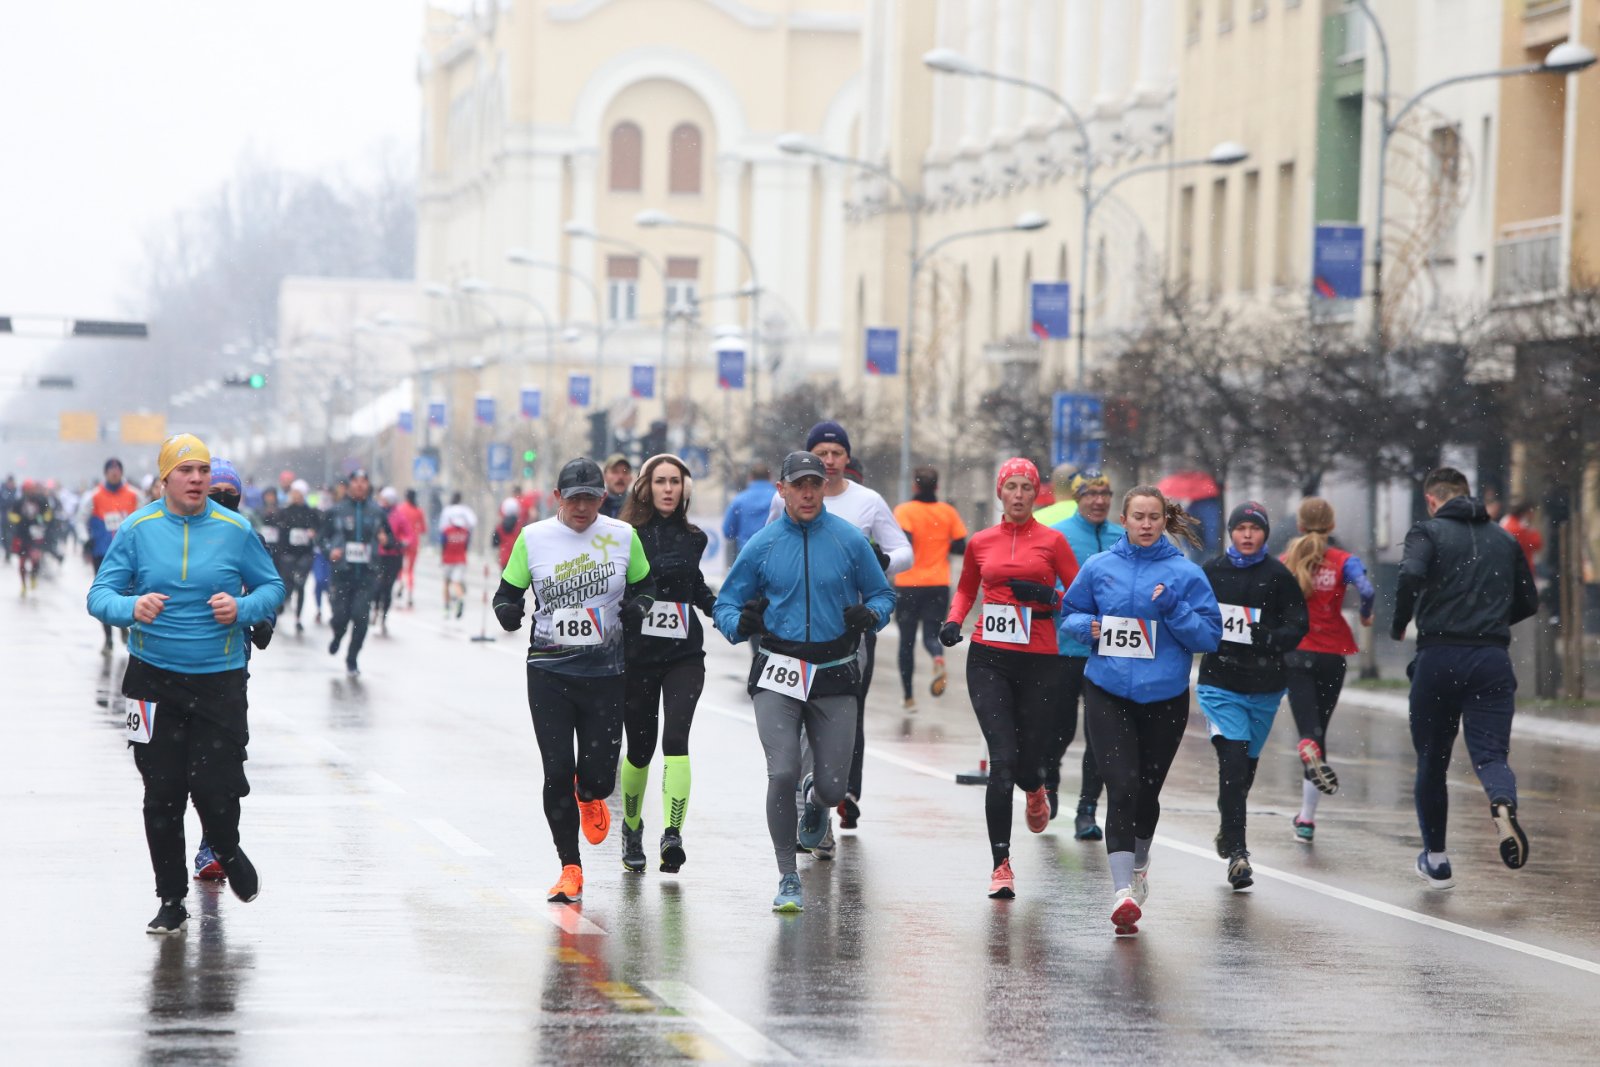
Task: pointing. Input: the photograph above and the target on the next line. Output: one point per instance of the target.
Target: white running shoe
(1125, 913)
(1141, 885)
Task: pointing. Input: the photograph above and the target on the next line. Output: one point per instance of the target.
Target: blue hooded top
(1086, 540)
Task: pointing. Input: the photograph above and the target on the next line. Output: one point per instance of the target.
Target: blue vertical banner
(883, 350)
(578, 390)
(730, 368)
(1336, 262)
(499, 462)
(532, 401)
(483, 409)
(643, 381)
(436, 413)
(1052, 310)
(403, 422)
(1077, 430)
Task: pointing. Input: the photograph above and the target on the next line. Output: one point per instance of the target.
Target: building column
(730, 177)
(1156, 61)
(1116, 33)
(1043, 46)
(585, 165)
(947, 88)
(1009, 60)
(975, 132)
(780, 234)
(830, 251)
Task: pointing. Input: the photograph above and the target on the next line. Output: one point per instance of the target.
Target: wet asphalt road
(404, 857)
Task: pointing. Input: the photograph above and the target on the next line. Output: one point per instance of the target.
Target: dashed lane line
(567, 917)
(454, 839)
(744, 1040)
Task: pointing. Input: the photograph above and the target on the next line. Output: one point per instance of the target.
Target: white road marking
(377, 783)
(454, 838)
(745, 1041)
(568, 917)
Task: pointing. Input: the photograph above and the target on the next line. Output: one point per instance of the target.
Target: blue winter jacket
(1086, 540)
(190, 558)
(810, 572)
(1119, 582)
(747, 513)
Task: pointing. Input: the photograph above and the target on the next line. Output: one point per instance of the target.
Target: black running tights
(673, 688)
(1134, 745)
(1014, 697)
(1315, 681)
(575, 712)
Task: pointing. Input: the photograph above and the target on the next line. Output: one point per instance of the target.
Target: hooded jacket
(1086, 540)
(1466, 579)
(1185, 617)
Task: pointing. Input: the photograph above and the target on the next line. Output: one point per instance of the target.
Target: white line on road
(454, 838)
(744, 1040)
(377, 783)
(569, 917)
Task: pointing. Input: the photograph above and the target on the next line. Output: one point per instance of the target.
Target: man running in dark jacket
(1466, 582)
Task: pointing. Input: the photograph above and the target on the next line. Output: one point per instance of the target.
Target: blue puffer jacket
(1119, 582)
(1086, 540)
(810, 572)
(190, 558)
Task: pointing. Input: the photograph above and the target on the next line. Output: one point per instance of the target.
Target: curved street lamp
(524, 258)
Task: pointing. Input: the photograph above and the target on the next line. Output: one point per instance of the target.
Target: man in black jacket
(1467, 582)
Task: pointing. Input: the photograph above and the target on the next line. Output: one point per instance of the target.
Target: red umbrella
(1189, 486)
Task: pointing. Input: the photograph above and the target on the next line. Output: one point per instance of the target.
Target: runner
(1065, 505)
(665, 656)
(922, 591)
(589, 576)
(747, 511)
(391, 556)
(112, 501)
(351, 535)
(29, 520)
(619, 478)
(297, 524)
(1468, 584)
(456, 524)
(1014, 670)
(1243, 681)
(185, 679)
(419, 530)
(1317, 666)
(805, 588)
(506, 530)
(1144, 610)
(1090, 531)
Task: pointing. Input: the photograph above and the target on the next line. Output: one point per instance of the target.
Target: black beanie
(1249, 511)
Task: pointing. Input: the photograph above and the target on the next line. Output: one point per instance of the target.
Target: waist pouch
(838, 670)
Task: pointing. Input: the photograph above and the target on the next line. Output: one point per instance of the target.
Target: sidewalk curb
(1537, 727)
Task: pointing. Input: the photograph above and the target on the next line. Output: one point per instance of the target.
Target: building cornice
(744, 14)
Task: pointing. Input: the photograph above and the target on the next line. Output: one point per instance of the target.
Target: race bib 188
(577, 626)
(1127, 638)
(788, 676)
(301, 538)
(1236, 621)
(667, 619)
(1007, 624)
(355, 552)
(141, 720)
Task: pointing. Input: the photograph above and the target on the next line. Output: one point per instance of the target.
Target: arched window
(683, 161)
(627, 158)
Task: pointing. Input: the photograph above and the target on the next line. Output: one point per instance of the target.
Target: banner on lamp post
(403, 422)
(1052, 310)
(730, 368)
(578, 390)
(483, 409)
(883, 350)
(436, 416)
(644, 381)
(1336, 262)
(532, 401)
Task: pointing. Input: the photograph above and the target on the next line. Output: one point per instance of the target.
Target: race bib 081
(788, 676)
(1007, 624)
(667, 619)
(1236, 621)
(577, 626)
(140, 722)
(1127, 638)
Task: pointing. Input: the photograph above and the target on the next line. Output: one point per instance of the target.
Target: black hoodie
(1465, 579)
(1256, 667)
(674, 552)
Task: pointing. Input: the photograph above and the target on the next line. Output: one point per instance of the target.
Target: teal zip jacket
(1087, 540)
(190, 558)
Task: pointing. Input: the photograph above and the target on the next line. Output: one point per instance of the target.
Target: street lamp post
(528, 259)
(478, 286)
(574, 228)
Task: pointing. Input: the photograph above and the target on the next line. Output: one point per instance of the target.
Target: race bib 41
(1236, 621)
(1127, 638)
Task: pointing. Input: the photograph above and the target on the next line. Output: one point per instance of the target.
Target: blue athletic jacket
(1086, 540)
(190, 558)
(1119, 582)
(810, 572)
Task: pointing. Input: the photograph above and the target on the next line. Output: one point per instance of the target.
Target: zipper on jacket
(805, 569)
(184, 574)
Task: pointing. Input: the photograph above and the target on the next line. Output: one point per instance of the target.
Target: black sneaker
(173, 918)
(1055, 803)
(1222, 850)
(333, 646)
(1084, 828)
(242, 877)
(1240, 876)
(672, 854)
(633, 849)
(849, 812)
(1513, 842)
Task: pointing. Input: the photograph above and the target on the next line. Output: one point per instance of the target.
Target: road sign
(883, 350)
(698, 459)
(424, 469)
(578, 390)
(644, 381)
(531, 402)
(499, 462)
(1336, 263)
(79, 426)
(1052, 310)
(1077, 430)
(730, 368)
(436, 415)
(404, 422)
(140, 429)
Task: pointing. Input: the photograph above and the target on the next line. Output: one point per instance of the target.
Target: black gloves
(860, 618)
(883, 558)
(750, 617)
(261, 634)
(1260, 636)
(706, 603)
(1033, 592)
(509, 615)
(636, 608)
(950, 634)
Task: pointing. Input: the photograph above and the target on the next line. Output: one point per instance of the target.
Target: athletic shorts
(455, 572)
(1240, 716)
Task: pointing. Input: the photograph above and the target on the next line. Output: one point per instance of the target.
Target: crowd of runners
(1087, 604)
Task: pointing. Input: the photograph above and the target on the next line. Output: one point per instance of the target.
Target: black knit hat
(1249, 511)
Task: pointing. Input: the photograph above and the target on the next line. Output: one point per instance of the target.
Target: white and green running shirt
(578, 581)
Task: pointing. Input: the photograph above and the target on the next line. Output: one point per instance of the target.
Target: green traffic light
(529, 455)
(258, 381)
(527, 472)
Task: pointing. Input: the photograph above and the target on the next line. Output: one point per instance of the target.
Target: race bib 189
(577, 626)
(667, 619)
(1007, 624)
(787, 676)
(141, 720)
(356, 552)
(1236, 621)
(1127, 638)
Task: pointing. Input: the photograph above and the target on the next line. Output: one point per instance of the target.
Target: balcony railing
(1527, 259)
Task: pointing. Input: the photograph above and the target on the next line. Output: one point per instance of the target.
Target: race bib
(787, 676)
(269, 534)
(36, 532)
(140, 722)
(577, 626)
(1007, 624)
(1236, 622)
(356, 552)
(667, 619)
(300, 538)
(1127, 638)
(113, 520)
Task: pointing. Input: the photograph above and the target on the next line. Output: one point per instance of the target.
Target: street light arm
(1044, 90)
(963, 235)
(638, 250)
(1416, 98)
(1101, 193)
(1383, 53)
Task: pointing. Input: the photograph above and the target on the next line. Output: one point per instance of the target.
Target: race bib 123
(667, 619)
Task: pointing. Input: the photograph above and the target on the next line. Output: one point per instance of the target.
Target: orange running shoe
(569, 887)
(1002, 884)
(595, 818)
(1038, 810)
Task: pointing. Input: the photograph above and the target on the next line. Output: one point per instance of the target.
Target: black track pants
(1134, 745)
(578, 724)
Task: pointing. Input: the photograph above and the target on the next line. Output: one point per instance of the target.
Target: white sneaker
(1141, 885)
(1125, 913)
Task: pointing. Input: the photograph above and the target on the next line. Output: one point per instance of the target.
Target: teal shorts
(1240, 716)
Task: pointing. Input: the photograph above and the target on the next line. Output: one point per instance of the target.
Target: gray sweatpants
(830, 726)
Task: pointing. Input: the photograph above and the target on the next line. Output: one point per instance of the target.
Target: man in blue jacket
(747, 512)
(173, 578)
(805, 588)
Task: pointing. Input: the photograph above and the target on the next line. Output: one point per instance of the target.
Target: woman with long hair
(1317, 665)
(666, 659)
(1144, 611)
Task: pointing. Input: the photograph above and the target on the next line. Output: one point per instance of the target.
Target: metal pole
(1369, 654)
(1083, 275)
(911, 346)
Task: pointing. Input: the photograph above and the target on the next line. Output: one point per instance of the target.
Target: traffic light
(246, 381)
(530, 456)
(55, 381)
(258, 380)
(655, 439)
(599, 436)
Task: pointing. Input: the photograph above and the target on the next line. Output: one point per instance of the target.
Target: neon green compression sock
(675, 791)
(634, 779)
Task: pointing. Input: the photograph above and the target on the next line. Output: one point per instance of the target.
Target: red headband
(1013, 467)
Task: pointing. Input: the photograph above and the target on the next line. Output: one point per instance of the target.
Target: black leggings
(1134, 745)
(674, 687)
(388, 574)
(294, 570)
(868, 661)
(1236, 773)
(188, 756)
(1014, 697)
(1071, 692)
(589, 710)
(925, 606)
(1315, 681)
